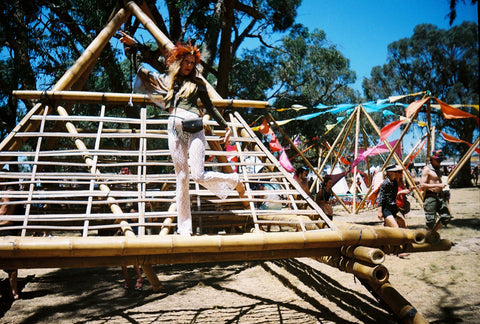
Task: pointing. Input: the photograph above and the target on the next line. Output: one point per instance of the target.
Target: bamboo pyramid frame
(355, 118)
(69, 184)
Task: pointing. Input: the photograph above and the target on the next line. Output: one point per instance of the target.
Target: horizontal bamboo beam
(441, 245)
(157, 259)
(34, 247)
(122, 98)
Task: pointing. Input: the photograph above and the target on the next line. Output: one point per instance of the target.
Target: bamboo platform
(68, 153)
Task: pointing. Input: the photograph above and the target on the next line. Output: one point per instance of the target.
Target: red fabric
(415, 106)
(232, 158)
(264, 128)
(401, 198)
(416, 153)
(453, 113)
(275, 145)
(387, 130)
(345, 161)
(452, 139)
(336, 177)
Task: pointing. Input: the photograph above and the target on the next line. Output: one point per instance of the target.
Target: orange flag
(453, 113)
(264, 128)
(415, 106)
(452, 139)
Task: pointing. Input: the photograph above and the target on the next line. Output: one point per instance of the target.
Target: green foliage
(305, 70)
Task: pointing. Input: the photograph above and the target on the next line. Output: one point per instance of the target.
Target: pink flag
(380, 148)
(285, 162)
(296, 141)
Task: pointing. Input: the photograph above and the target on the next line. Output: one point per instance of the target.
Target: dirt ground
(443, 286)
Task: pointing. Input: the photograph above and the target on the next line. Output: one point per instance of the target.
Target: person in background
(9, 209)
(434, 202)
(182, 86)
(475, 173)
(301, 177)
(325, 195)
(402, 202)
(138, 272)
(388, 209)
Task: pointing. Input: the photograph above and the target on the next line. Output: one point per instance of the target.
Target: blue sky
(362, 30)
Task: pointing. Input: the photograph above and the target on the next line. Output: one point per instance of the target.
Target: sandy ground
(443, 286)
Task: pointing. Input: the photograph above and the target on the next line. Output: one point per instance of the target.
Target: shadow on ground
(96, 294)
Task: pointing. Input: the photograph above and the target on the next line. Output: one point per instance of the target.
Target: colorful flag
(285, 162)
(387, 130)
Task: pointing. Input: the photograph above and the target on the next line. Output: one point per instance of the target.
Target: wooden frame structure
(70, 183)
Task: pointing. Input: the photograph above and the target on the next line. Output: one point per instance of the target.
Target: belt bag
(192, 125)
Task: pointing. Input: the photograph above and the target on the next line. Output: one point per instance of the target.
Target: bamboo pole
(164, 43)
(122, 98)
(397, 303)
(365, 147)
(377, 274)
(92, 52)
(363, 253)
(354, 182)
(408, 176)
(292, 181)
(463, 160)
(69, 78)
(438, 245)
(414, 148)
(429, 131)
(36, 247)
(141, 260)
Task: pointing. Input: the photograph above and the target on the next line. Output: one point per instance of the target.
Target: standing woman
(186, 136)
(388, 198)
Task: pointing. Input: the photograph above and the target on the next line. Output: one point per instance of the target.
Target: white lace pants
(183, 145)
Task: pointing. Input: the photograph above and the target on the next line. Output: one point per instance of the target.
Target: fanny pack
(192, 125)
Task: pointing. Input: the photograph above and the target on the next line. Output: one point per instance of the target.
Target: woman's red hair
(179, 52)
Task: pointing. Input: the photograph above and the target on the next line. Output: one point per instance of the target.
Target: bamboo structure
(79, 176)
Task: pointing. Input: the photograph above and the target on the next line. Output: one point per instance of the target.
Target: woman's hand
(126, 39)
(226, 139)
(380, 215)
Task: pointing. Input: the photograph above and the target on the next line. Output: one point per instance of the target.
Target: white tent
(341, 187)
(361, 186)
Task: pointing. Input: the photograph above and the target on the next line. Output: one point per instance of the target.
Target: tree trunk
(224, 63)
